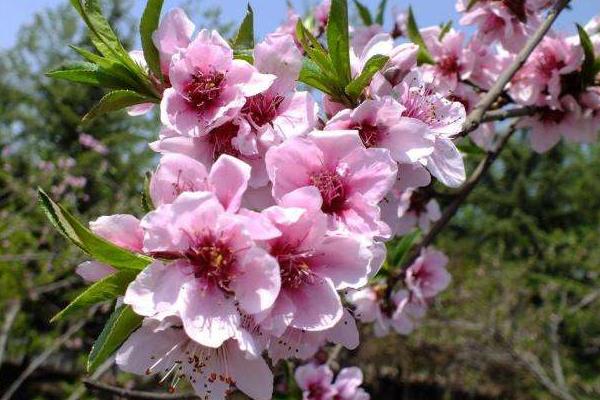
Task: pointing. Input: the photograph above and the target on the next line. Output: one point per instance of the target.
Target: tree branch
(9, 320)
(476, 117)
(501, 115)
(100, 387)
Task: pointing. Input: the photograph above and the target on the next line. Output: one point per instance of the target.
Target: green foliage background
(525, 254)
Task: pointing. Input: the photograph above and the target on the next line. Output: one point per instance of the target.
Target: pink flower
(453, 62)
(209, 86)
(379, 124)
(400, 313)
(317, 383)
(350, 178)
(173, 35)
(569, 121)
(427, 275)
(443, 118)
(314, 264)
(234, 138)
(164, 348)
(122, 230)
(362, 35)
(216, 269)
(302, 344)
(400, 21)
(416, 209)
(538, 82)
(178, 173)
(321, 14)
(499, 21)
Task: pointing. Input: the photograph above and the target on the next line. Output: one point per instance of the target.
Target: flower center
(316, 391)
(550, 116)
(332, 190)
(448, 65)
(204, 88)
(221, 139)
(420, 105)
(369, 134)
(547, 63)
(212, 261)
(262, 109)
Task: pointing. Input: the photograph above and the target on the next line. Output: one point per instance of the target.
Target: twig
(501, 115)
(453, 207)
(134, 394)
(40, 359)
(105, 366)
(559, 375)
(9, 320)
(335, 352)
(476, 116)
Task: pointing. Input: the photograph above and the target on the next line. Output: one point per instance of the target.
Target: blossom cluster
(270, 210)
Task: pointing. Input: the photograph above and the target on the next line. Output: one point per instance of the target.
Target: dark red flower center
(548, 63)
(448, 65)
(418, 202)
(369, 134)
(550, 116)
(262, 109)
(331, 187)
(221, 140)
(204, 88)
(213, 260)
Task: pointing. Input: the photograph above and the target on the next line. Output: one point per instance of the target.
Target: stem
(476, 117)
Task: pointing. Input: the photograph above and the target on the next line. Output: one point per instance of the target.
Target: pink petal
(121, 229)
(317, 303)
(92, 271)
(176, 173)
(229, 178)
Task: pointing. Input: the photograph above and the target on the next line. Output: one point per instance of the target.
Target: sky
(270, 13)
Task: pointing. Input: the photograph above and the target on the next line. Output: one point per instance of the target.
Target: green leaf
(381, 12)
(399, 252)
(338, 41)
(116, 100)
(244, 54)
(244, 38)
(588, 68)
(147, 204)
(424, 57)
(364, 13)
(98, 248)
(88, 74)
(372, 66)
(148, 25)
(311, 75)
(313, 49)
(121, 324)
(445, 29)
(105, 289)
(101, 34)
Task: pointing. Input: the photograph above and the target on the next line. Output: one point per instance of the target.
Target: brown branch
(501, 115)
(105, 366)
(476, 116)
(453, 207)
(100, 387)
(9, 319)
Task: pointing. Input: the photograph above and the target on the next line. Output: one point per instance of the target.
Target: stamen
(331, 187)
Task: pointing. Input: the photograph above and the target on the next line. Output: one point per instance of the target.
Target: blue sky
(269, 13)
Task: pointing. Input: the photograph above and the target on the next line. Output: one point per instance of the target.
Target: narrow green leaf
(147, 204)
(381, 12)
(121, 324)
(424, 57)
(372, 66)
(587, 69)
(313, 48)
(400, 251)
(148, 25)
(101, 34)
(115, 100)
(364, 13)
(445, 29)
(311, 75)
(105, 289)
(95, 246)
(244, 38)
(89, 74)
(338, 41)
